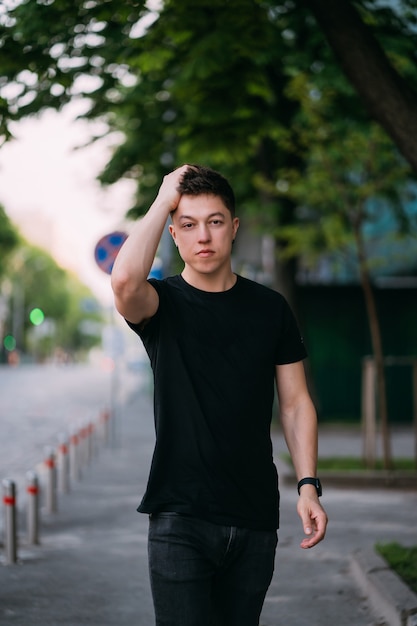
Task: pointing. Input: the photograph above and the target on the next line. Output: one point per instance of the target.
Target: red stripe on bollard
(50, 463)
(9, 501)
(63, 448)
(32, 490)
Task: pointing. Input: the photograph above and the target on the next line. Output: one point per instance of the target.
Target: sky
(50, 192)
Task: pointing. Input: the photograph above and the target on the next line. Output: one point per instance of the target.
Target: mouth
(205, 253)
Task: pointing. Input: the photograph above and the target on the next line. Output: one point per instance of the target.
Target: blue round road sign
(107, 249)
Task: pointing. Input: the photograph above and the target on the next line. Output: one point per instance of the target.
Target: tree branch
(388, 97)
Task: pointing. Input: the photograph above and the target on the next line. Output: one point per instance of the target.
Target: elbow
(123, 283)
(119, 281)
(123, 290)
(129, 296)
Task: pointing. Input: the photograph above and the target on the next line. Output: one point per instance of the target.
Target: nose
(203, 233)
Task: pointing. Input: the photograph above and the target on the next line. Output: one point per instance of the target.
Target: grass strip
(357, 463)
(353, 464)
(402, 560)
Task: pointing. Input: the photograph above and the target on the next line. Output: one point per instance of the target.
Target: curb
(389, 597)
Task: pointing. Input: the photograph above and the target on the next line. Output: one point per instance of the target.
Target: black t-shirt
(213, 356)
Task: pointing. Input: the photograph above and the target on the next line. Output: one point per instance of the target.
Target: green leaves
(251, 88)
(8, 239)
(38, 292)
(352, 177)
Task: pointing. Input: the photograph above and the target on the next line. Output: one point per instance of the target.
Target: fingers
(174, 177)
(168, 192)
(315, 536)
(314, 520)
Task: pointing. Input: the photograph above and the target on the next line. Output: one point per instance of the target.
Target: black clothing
(213, 356)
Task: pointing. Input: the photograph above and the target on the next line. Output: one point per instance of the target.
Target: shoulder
(165, 285)
(257, 290)
(162, 288)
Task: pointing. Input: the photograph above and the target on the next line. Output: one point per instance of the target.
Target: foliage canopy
(187, 82)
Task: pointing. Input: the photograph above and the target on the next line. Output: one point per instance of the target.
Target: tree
(385, 90)
(374, 43)
(205, 82)
(166, 96)
(8, 239)
(46, 306)
(349, 168)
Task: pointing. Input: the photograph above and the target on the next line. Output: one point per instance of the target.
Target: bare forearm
(300, 431)
(135, 299)
(135, 259)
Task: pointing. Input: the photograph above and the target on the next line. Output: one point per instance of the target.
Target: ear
(235, 226)
(173, 233)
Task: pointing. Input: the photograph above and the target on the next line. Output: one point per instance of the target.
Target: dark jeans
(203, 574)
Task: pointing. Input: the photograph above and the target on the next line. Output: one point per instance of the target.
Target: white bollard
(10, 521)
(32, 490)
(87, 430)
(82, 437)
(50, 487)
(63, 464)
(91, 437)
(86, 442)
(74, 456)
(104, 422)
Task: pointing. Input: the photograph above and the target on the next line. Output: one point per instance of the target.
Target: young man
(217, 344)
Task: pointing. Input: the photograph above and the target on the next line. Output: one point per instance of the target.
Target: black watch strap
(310, 481)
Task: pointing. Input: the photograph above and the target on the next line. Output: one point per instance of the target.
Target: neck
(210, 282)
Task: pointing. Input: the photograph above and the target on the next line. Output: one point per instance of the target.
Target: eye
(187, 225)
(216, 222)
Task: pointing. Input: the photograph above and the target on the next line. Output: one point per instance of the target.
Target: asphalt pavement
(91, 564)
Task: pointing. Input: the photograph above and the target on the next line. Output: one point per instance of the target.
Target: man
(218, 343)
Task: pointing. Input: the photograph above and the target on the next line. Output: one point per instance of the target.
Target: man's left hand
(314, 520)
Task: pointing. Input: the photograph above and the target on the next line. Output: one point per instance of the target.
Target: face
(203, 229)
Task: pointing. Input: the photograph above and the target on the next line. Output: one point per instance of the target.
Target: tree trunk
(388, 97)
(376, 340)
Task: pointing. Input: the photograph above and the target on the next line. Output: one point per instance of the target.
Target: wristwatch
(311, 481)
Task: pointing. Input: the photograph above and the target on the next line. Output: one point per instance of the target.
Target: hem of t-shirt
(219, 520)
(293, 360)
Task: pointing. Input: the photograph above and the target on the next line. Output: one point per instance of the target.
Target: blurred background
(308, 108)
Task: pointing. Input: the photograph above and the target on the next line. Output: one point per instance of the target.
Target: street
(38, 403)
(314, 587)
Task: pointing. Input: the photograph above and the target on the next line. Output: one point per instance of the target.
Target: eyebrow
(191, 217)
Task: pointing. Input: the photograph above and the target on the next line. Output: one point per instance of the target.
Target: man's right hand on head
(168, 191)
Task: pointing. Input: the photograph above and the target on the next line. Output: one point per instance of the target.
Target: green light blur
(9, 343)
(36, 316)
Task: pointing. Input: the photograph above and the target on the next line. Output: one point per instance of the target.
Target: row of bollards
(60, 467)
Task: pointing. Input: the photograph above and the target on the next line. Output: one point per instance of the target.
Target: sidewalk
(91, 566)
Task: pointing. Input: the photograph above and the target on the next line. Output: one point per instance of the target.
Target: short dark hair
(198, 180)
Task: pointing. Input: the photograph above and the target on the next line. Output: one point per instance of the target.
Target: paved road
(91, 567)
(40, 402)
